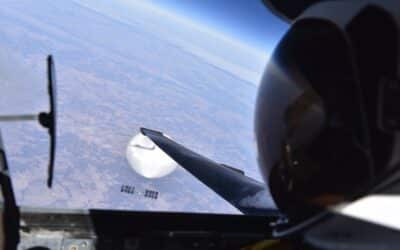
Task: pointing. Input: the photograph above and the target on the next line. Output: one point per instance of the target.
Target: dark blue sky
(247, 20)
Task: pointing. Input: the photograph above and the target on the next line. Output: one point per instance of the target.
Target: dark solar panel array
(128, 189)
(151, 194)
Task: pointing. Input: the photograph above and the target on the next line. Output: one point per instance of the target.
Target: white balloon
(147, 159)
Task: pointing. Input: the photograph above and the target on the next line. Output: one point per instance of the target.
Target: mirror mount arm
(18, 118)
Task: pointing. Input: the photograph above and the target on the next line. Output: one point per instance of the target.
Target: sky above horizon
(233, 51)
(248, 21)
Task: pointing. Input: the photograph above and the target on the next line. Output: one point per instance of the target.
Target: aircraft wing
(246, 194)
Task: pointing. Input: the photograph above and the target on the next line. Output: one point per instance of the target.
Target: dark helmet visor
(309, 125)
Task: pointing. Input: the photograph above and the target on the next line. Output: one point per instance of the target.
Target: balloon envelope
(147, 159)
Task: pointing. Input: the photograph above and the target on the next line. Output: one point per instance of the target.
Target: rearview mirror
(48, 120)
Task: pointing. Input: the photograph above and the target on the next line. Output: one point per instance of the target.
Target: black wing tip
(146, 131)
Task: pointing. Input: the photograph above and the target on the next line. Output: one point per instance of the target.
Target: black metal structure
(10, 216)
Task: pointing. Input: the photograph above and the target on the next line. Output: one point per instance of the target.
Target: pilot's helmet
(325, 123)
